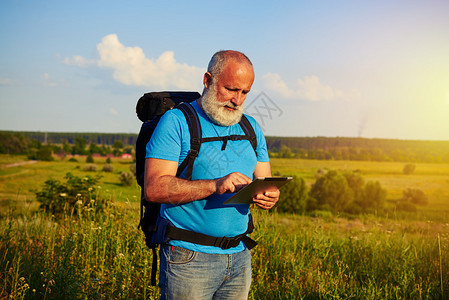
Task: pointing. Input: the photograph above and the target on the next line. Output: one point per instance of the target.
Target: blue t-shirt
(171, 141)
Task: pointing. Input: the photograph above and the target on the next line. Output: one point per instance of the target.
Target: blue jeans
(186, 274)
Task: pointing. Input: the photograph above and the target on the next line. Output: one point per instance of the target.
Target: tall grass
(315, 258)
(95, 256)
(88, 255)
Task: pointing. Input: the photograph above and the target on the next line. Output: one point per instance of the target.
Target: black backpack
(149, 109)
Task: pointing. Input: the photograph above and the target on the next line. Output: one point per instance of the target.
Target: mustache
(230, 104)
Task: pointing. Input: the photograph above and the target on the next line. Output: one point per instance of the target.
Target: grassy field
(96, 256)
(432, 179)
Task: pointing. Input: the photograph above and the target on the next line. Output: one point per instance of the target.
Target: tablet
(259, 185)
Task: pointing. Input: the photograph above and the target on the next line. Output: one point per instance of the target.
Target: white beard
(216, 110)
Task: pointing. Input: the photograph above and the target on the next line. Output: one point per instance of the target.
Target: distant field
(432, 179)
(16, 182)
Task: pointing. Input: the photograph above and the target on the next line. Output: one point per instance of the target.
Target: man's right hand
(231, 183)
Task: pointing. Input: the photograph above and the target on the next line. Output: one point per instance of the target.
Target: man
(189, 270)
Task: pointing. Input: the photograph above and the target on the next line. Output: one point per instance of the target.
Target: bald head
(221, 58)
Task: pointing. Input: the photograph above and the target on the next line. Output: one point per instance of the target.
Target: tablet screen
(259, 185)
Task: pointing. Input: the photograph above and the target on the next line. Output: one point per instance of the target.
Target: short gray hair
(220, 58)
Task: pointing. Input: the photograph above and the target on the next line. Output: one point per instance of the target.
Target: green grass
(103, 256)
(17, 183)
(432, 179)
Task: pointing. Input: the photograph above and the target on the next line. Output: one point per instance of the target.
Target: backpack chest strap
(225, 139)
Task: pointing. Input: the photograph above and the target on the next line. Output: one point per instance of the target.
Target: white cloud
(6, 81)
(113, 111)
(79, 61)
(310, 88)
(47, 80)
(130, 66)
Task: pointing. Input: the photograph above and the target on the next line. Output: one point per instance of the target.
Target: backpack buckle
(193, 153)
(226, 243)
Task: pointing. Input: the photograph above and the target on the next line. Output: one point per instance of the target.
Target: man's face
(225, 94)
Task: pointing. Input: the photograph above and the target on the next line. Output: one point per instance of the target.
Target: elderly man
(196, 271)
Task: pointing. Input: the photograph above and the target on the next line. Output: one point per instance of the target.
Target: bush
(90, 168)
(90, 159)
(57, 196)
(132, 169)
(373, 196)
(415, 196)
(108, 160)
(332, 190)
(126, 178)
(409, 169)
(108, 168)
(294, 196)
(72, 159)
(44, 153)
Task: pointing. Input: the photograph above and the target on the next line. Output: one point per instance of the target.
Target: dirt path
(20, 163)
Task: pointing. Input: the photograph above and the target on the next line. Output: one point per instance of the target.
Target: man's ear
(207, 80)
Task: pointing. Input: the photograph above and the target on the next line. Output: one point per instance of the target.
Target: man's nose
(238, 98)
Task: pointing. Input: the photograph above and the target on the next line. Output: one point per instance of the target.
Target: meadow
(84, 254)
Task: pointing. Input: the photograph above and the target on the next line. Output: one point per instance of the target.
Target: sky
(372, 69)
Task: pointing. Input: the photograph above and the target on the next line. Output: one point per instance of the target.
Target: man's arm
(162, 185)
(267, 199)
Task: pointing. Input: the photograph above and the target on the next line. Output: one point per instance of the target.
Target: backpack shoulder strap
(194, 125)
(249, 131)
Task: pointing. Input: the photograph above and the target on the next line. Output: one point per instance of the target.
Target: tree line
(360, 149)
(321, 148)
(17, 143)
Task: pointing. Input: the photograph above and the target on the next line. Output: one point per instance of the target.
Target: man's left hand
(266, 200)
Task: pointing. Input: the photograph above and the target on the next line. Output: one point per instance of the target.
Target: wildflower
(90, 189)
(78, 195)
(92, 201)
(79, 202)
(34, 290)
(63, 195)
(99, 187)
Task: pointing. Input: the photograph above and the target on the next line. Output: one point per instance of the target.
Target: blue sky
(374, 69)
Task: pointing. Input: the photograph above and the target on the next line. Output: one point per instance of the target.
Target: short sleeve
(165, 143)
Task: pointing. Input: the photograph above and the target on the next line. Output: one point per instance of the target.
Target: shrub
(90, 159)
(57, 196)
(132, 169)
(126, 178)
(415, 196)
(44, 153)
(90, 168)
(373, 196)
(108, 168)
(294, 196)
(409, 169)
(72, 159)
(332, 189)
(108, 160)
